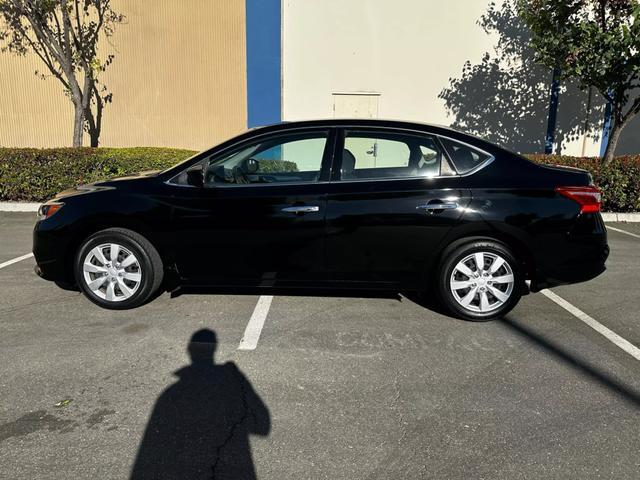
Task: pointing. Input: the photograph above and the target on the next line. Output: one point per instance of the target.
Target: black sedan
(348, 204)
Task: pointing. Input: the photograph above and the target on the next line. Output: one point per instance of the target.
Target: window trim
(342, 134)
(335, 144)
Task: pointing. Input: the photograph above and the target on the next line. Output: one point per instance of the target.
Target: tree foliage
(65, 34)
(596, 42)
(504, 97)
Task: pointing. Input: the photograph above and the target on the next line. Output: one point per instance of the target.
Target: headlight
(48, 209)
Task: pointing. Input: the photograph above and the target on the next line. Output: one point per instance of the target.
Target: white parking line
(610, 335)
(15, 260)
(256, 322)
(623, 231)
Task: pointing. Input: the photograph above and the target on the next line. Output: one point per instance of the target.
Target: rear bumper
(574, 269)
(573, 257)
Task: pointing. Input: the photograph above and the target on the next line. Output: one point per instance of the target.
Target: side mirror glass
(195, 176)
(251, 166)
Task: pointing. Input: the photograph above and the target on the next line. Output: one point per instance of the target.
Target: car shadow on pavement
(200, 425)
(285, 291)
(628, 394)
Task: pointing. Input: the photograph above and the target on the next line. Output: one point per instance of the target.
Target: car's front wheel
(480, 281)
(118, 269)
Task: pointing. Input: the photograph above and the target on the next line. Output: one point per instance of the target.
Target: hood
(105, 184)
(133, 176)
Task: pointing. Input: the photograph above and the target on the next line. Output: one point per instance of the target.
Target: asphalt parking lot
(336, 387)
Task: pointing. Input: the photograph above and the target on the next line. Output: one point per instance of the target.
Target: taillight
(589, 198)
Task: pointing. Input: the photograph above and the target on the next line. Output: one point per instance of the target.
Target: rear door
(392, 199)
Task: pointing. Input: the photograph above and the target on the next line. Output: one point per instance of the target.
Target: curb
(19, 207)
(33, 207)
(621, 217)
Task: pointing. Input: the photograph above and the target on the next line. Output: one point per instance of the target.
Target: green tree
(596, 42)
(64, 34)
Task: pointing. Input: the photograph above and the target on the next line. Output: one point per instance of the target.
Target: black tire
(149, 261)
(452, 259)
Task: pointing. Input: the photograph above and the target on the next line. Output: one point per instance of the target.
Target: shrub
(276, 166)
(29, 174)
(619, 181)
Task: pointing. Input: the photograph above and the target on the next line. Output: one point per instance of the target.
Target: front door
(259, 219)
(389, 209)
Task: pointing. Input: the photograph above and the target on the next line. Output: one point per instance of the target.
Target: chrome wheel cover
(112, 272)
(482, 282)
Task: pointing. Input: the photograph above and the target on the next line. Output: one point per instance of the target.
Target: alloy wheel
(482, 282)
(112, 272)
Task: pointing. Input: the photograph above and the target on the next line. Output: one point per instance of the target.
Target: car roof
(350, 122)
(379, 123)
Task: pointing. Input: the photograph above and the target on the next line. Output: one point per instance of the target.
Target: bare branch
(58, 31)
(42, 52)
(66, 26)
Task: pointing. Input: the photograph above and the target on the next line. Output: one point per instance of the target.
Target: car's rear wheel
(480, 281)
(118, 269)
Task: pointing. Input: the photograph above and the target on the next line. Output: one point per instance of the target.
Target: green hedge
(28, 174)
(276, 166)
(33, 175)
(619, 181)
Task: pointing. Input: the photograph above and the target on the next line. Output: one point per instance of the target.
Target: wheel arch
(96, 224)
(456, 239)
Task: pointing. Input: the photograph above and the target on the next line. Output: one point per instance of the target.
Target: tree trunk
(94, 138)
(614, 136)
(78, 124)
(94, 122)
(92, 130)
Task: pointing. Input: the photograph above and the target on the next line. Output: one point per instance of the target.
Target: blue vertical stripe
(553, 112)
(264, 61)
(606, 129)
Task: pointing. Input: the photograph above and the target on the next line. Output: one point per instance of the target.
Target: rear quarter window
(464, 157)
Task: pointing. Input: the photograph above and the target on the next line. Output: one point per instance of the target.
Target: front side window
(370, 156)
(281, 159)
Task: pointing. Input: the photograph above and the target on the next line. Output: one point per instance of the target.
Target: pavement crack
(246, 414)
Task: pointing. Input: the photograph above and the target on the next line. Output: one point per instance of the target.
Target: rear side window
(383, 155)
(464, 157)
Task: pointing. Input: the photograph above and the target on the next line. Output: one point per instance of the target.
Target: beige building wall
(178, 80)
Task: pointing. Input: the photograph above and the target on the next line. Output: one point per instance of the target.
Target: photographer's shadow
(200, 425)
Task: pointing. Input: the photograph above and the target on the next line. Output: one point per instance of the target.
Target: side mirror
(195, 177)
(250, 166)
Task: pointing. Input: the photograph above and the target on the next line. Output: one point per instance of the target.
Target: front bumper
(49, 248)
(48, 271)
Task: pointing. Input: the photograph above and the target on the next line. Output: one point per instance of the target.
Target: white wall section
(392, 60)
(404, 50)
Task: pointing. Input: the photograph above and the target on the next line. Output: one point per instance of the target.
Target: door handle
(302, 209)
(431, 206)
